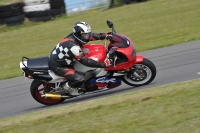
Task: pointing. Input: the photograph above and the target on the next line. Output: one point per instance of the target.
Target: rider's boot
(71, 91)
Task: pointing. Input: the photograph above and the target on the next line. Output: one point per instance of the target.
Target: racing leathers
(64, 55)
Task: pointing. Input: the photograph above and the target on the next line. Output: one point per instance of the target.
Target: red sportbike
(135, 70)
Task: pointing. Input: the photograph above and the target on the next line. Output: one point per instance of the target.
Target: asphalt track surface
(174, 64)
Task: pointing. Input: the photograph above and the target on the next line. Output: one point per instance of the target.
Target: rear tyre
(39, 19)
(13, 6)
(57, 5)
(11, 13)
(140, 74)
(37, 89)
(1, 22)
(37, 14)
(12, 21)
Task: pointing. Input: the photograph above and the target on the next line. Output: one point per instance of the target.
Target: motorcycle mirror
(110, 24)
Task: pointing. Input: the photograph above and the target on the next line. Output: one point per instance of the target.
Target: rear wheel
(140, 74)
(37, 90)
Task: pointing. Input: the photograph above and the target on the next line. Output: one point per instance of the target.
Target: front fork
(135, 72)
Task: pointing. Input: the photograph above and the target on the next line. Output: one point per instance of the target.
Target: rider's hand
(107, 62)
(109, 36)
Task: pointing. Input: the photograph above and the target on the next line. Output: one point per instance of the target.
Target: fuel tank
(96, 52)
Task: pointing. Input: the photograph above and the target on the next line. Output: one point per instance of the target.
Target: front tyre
(37, 90)
(140, 74)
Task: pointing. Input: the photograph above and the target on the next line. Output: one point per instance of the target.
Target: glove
(107, 62)
(109, 37)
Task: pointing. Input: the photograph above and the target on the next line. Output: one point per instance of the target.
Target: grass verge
(152, 24)
(172, 108)
(6, 2)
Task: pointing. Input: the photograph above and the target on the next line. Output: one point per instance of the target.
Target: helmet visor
(86, 35)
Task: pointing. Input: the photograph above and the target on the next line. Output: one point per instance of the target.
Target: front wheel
(37, 90)
(140, 74)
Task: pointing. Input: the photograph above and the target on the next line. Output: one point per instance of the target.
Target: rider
(69, 49)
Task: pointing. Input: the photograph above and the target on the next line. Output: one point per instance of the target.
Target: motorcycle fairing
(82, 68)
(126, 65)
(127, 51)
(96, 52)
(109, 82)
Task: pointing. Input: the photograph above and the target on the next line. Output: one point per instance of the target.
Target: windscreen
(120, 41)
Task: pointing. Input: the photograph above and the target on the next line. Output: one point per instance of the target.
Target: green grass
(152, 24)
(167, 109)
(5, 2)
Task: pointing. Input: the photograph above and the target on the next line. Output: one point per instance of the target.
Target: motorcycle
(47, 88)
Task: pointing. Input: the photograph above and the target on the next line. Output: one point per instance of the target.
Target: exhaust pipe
(53, 96)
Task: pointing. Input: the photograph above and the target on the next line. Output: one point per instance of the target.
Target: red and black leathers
(64, 55)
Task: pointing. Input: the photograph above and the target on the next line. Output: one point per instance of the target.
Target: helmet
(79, 29)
